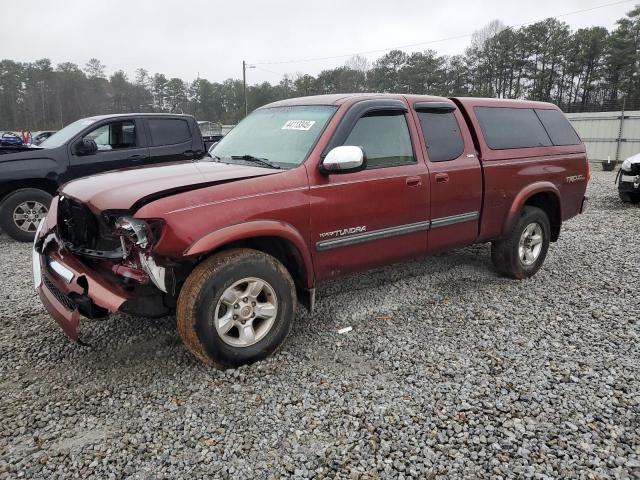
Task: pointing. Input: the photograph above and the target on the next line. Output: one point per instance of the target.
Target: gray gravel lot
(450, 371)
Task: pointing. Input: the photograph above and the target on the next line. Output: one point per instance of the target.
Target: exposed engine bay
(118, 247)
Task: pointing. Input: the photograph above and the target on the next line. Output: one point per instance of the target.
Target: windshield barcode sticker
(298, 125)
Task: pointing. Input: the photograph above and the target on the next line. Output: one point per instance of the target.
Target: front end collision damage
(74, 280)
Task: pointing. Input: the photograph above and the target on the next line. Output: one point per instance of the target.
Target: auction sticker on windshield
(298, 125)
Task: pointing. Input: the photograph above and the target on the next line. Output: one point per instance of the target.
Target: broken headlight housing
(142, 233)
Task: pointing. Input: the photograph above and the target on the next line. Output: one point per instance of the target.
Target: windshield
(68, 132)
(283, 135)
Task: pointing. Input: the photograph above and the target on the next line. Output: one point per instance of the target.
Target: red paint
(233, 202)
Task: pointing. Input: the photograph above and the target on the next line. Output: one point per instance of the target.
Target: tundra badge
(344, 231)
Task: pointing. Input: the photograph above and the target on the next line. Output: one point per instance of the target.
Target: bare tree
(359, 63)
(490, 30)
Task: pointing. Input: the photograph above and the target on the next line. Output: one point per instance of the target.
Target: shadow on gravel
(123, 343)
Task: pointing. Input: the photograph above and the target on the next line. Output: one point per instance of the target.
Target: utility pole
(244, 85)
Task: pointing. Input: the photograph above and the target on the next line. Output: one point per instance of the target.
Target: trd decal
(575, 178)
(343, 232)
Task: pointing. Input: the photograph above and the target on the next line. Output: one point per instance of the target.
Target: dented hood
(126, 189)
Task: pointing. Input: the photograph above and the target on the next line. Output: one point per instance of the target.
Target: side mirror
(86, 146)
(344, 159)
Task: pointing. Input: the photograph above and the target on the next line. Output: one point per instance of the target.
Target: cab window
(442, 135)
(384, 138)
(114, 135)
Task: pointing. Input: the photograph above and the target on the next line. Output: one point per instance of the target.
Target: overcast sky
(211, 38)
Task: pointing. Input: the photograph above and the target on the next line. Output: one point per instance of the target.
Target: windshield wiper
(262, 161)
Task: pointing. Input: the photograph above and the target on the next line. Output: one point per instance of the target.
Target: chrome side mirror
(344, 159)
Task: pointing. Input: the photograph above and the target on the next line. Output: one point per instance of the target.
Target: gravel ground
(450, 371)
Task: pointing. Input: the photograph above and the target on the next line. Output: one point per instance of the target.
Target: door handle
(442, 178)
(414, 181)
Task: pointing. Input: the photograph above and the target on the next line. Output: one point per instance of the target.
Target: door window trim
(361, 109)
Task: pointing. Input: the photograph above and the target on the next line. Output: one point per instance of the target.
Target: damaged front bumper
(629, 182)
(67, 287)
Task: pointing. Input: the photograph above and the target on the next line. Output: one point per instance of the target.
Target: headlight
(143, 233)
(626, 165)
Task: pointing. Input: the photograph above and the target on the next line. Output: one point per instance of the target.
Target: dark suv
(29, 177)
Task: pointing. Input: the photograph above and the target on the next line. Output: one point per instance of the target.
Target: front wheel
(236, 307)
(22, 211)
(522, 253)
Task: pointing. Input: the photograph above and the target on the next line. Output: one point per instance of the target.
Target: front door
(378, 215)
(121, 143)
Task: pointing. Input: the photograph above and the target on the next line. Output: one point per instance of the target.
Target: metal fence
(608, 135)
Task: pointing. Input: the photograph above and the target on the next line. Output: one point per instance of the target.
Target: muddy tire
(21, 212)
(236, 307)
(522, 253)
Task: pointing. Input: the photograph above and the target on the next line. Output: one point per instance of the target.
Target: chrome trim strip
(394, 231)
(61, 270)
(454, 219)
(374, 235)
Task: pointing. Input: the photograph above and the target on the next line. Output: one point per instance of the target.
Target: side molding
(256, 228)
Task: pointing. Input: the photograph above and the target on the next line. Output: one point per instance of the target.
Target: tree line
(587, 69)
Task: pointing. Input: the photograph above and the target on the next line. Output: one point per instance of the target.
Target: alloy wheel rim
(246, 312)
(28, 215)
(530, 244)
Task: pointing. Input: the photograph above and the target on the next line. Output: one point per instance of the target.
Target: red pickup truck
(302, 191)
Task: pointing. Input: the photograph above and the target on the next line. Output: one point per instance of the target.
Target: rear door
(121, 143)
(170, 139)
(455, 175)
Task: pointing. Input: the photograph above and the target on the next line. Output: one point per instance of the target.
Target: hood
(131, 188)
(633, 160)
(19, 152)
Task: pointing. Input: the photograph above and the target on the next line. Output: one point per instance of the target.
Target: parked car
(300, 192)
(38, 137)
(10, 139)
(29, 178)
(629, 180)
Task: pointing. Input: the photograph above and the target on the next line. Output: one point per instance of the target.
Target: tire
(200, 304)
(24, 200)
(506, 253)
(629, 197)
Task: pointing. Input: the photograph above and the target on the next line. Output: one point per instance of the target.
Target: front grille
(61, 297)
(76, 224)
(635, 169)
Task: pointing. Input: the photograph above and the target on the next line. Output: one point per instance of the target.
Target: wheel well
(48, 186)
(279, 248)
(549, 203)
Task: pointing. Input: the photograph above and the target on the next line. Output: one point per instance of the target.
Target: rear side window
(442, 135)
(558, 127)
(504, 128)
(168, 131)
(384, 137)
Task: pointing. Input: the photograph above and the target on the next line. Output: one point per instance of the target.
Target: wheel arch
(278, 239)
(544, 195)
(45, 184)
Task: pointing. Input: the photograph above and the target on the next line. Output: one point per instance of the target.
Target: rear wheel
(522, 253)
(236, 307)
(22, 211)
